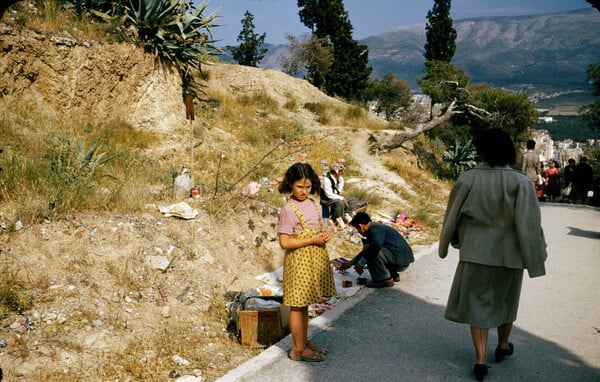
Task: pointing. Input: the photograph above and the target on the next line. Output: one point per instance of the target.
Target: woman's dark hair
(495, 147)
(296, 172)
(530, 144)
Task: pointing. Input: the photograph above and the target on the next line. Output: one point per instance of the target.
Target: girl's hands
(322, 237)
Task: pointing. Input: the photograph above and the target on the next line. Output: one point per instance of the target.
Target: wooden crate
(259, 329)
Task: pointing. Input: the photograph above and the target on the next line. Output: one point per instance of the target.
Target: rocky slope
(105, 305)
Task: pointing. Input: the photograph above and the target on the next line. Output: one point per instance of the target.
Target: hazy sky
(368, 17)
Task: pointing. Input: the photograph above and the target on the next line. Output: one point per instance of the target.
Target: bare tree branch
(398, 139)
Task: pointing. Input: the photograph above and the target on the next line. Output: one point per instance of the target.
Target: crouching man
(384, 250)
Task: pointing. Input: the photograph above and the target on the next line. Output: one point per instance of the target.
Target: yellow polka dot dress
(307, 274)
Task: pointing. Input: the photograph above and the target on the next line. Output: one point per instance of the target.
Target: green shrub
(72, 168)
(12, 297)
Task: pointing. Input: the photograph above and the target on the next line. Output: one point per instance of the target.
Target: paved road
(399, 333)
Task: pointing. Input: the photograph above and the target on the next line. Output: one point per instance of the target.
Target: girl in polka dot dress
(307, 274)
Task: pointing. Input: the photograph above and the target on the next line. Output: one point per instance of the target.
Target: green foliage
(249, 52)
(593, 74)
(567, 127)
(593, 155)
(109, 7)
(349, 72)
(460, 157)
(591, 112)
(484, 107)
(175, 32)
(439, 32)
(513, 113)
(442, 81)
(72, 168)
(309, 56)
(259, 100)
(12, 297)
(355, 112)
(316, 108)
(391, 95)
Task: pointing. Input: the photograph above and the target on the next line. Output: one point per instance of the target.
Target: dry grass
(44, 147)
(427, 197)
(249, 138)
(267, 142)
(350, 115)
(50, 16)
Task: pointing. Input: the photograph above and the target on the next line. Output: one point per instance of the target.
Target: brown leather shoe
(381, 284)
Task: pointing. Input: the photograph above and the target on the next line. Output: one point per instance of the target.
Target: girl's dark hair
(296, 172)
(495, 147)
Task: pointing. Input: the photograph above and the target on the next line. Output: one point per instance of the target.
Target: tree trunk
(398, 139)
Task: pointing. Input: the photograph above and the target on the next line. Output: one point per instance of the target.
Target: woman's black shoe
(501, 353)
(480, 371)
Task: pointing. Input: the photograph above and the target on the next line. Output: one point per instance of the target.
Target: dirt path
(374, 173)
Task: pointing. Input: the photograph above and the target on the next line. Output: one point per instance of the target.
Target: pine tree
(440, 35)
(349, 73)
(249, 52)
(440, 46)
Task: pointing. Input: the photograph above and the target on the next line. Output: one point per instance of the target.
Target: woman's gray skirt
(484, 296)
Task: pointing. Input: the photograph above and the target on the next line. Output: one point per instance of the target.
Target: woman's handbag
(566, 191)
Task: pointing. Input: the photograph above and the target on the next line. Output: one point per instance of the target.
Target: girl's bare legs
(299, 326)
(503, 334)
(480, 337)
(299, 330)
(305, 325)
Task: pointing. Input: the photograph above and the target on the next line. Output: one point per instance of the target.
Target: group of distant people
(551, 184)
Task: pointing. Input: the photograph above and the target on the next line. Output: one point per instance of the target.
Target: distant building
(546, 119)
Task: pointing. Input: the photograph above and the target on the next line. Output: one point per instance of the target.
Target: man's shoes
(395, 274)
(381, 284)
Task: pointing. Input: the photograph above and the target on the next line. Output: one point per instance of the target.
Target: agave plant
(73, 167)
(176, 32)
(460, 158)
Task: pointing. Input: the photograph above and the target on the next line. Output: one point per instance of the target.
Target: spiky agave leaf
(176, 32)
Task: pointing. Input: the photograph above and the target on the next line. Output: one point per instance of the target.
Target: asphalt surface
(399, 333)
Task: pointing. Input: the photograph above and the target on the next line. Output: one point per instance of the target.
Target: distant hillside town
(561, 151)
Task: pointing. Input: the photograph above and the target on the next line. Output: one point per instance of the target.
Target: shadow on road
(583, 233)
(392, 335)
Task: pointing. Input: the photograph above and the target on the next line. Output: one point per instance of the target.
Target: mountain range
(546, 53)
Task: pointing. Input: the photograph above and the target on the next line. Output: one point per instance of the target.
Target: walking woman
(307, 273)
(493, 217)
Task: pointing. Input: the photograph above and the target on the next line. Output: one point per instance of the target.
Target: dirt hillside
(105, 305)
